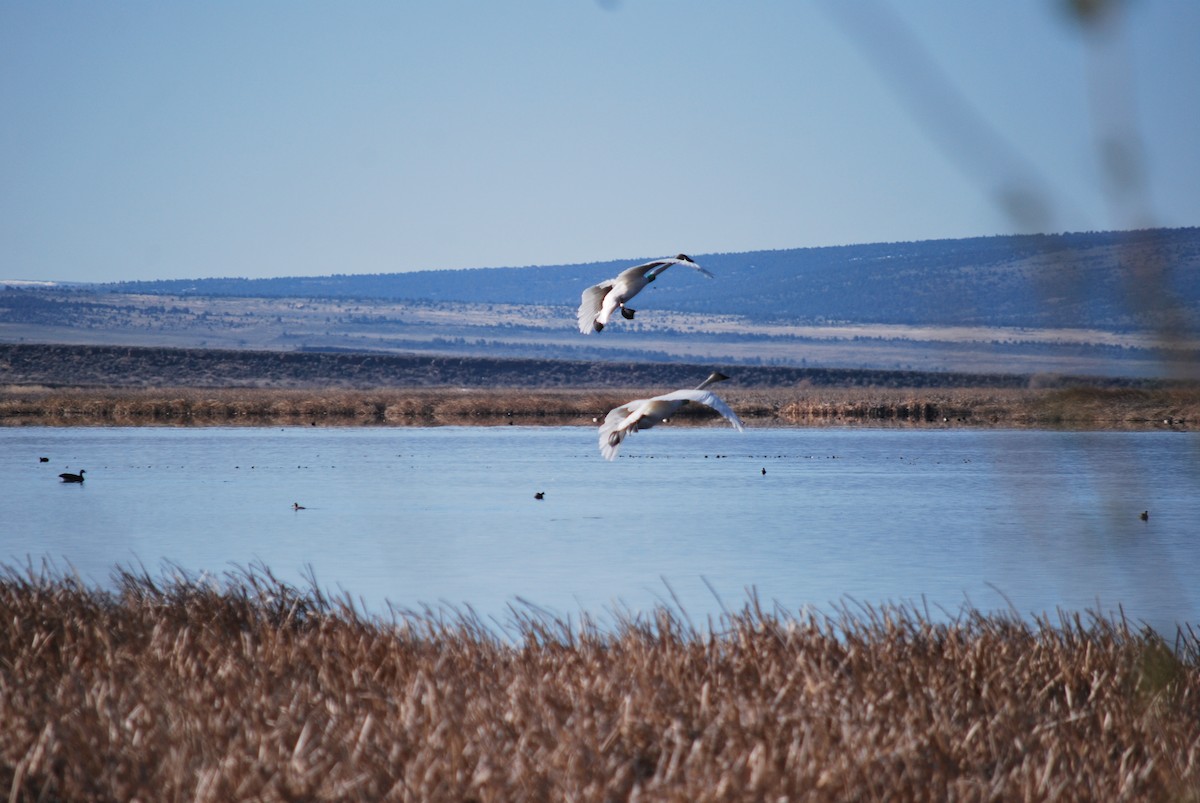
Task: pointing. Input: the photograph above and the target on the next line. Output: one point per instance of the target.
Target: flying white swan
(645, 413)
(600, 301)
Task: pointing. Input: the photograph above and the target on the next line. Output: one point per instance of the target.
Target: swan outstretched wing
(707, 398)
(590, 305)
(652, 269)
(617, 425)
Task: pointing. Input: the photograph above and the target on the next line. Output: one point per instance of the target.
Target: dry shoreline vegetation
(243, 687)
(1081, 407)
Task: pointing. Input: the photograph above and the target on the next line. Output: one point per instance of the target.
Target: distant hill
(1101, 304)
(1085, 280)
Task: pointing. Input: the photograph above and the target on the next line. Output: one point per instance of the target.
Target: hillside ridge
(1037, 280)
(1109, 304)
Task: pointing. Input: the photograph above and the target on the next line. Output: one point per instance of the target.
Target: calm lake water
(447, 516)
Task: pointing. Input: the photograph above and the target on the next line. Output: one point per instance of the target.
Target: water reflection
(1041, 520)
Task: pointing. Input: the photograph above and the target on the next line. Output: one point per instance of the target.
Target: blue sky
(180, 140)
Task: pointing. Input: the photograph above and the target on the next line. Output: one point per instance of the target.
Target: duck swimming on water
(600, 301)
(69, 477)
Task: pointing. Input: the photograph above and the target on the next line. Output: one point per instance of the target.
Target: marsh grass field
(1080, 407)
(246, 688)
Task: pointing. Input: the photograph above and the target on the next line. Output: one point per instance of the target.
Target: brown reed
(1027, 407)
(243, 687)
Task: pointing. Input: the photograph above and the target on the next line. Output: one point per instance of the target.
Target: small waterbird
(600, 301)
(69, 477)
(646, 413)
(297, 506)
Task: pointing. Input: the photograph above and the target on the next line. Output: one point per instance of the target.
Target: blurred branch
(947, 117)
(966, 139)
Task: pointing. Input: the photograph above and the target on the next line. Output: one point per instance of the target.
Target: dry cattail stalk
(247, 688)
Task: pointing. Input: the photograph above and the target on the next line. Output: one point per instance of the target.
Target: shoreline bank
(1081, 408)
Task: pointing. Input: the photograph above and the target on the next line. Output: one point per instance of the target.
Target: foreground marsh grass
(247, 688)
